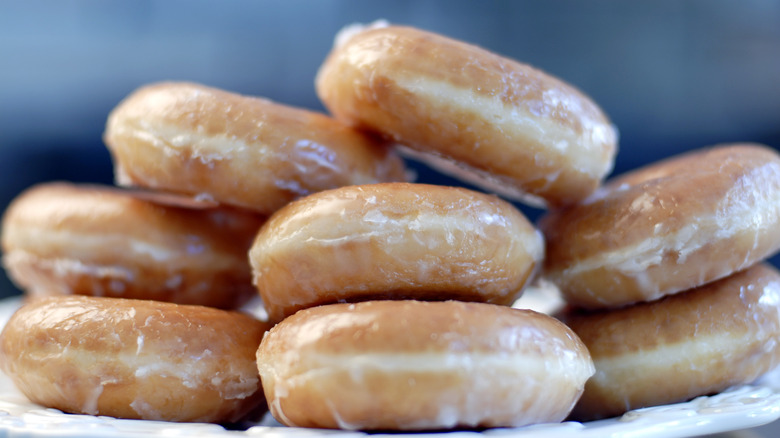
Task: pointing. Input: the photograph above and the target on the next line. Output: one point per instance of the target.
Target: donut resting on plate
(134, 359)
(698, 342)
(413, 365)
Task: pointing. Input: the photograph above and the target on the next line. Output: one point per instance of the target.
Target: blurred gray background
(672, 75)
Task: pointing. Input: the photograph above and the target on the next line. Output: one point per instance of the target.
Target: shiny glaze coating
(134, 358)
(485, 118)
(393, 241)
(668, 227)
(61, 238)
(238, 150)
(414, 365)
(694, 343)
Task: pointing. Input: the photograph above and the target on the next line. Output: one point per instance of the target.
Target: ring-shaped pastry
(136, 359)
(238, 150)
(393, 241)
(668, 227)
(484, 118)
(698, 342)
(61, 238)
(415, 365)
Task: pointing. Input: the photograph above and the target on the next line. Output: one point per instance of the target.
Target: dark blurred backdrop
(672, 75)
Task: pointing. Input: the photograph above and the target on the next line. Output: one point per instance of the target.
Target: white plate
(738, 408)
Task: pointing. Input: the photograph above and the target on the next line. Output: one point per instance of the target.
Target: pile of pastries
(387, 304)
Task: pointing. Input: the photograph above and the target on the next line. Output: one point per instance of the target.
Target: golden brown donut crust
(243, 151)
(694, 343)
(393, 241)
(668, 227)
(61, 238)
(134, 358)
(413, 365)
(512, 128)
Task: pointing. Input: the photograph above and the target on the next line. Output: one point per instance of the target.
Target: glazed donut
(238, 150)
(668, 227)
(489, 120)
(393, 241)
(60, 238)
(134, 359)
(414, 365)
(695, 343)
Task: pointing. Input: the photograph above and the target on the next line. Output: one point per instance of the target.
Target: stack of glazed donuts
(388, 302)
(665, 266)
(132, 293)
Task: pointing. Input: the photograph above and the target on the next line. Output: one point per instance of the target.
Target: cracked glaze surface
(699, 342)
(134, 358)
(413, 365)
(238, 150)
(61, 238)
(394, 241)
(668, 227)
